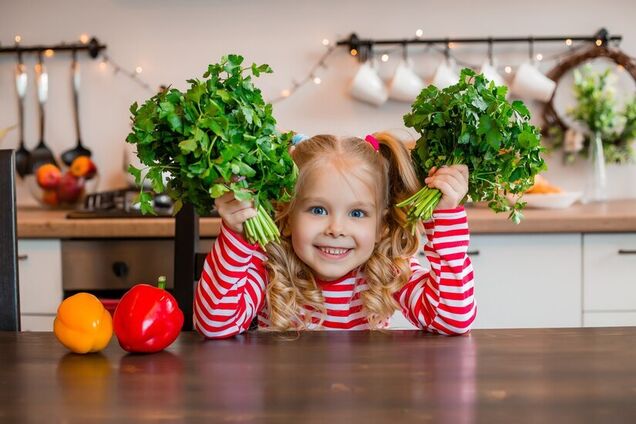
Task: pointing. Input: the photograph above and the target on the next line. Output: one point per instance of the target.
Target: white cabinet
(609, 279)
(40, 279)
(527, 280)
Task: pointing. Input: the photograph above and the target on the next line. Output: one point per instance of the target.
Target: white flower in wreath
(573, 141)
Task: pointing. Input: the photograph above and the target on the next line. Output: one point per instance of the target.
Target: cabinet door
(40, 278)
(609, 272)
(527, 280)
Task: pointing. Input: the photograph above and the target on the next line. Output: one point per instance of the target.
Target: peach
(83, 166)
(48, 176)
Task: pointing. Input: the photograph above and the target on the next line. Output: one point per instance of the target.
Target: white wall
(175, 40)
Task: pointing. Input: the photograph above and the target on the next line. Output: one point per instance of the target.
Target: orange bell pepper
(83, 324)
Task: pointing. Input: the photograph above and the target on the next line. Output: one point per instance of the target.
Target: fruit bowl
(55, 188)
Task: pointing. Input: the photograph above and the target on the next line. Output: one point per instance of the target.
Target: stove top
(121, 204)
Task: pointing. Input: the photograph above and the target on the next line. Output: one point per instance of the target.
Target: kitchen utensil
(22, 155)
(530, 83)
(79, 149)
(41, 154)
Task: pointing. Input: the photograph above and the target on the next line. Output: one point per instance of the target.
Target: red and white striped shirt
(231, 291)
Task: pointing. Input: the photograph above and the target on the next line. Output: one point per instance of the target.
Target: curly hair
(294, 298)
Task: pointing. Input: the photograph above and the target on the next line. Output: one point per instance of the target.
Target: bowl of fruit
(63, 188)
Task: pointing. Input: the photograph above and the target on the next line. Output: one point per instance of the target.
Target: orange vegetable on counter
(83, 324)
(543, 186)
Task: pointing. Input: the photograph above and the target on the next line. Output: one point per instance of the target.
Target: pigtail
(388, 269)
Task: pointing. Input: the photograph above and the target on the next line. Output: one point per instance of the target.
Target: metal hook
(531, 48)
(490, 59)
(405, 53)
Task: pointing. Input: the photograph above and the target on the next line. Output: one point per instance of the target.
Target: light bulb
(384, 58)
(599, 42)
(507, 69)
(325, 42)
(539, 57)
(419, 33)
(353, 52)
(285, 93)
(317, 80)
(452, 45)
(49, 53)
(138, 70)
(84, 38)
(17, 38)
(102, 65)
(568, 42)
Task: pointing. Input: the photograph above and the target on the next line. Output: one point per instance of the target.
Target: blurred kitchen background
(167, 42)
(582, 254)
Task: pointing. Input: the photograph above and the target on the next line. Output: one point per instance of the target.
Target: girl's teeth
(332, 251)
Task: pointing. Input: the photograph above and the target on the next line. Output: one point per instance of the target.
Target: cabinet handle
(23, 257)
(626, 252)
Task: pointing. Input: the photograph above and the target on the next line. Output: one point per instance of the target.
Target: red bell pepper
(147, 319)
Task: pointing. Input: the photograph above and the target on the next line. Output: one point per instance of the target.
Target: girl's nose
(335, 228)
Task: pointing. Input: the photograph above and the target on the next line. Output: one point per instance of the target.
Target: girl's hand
(234, 212)
(452, 181)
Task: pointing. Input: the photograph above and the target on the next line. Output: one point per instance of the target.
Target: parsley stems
(421, 205)
(261, 229)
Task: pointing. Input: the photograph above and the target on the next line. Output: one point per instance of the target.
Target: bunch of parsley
(472, 123)
(216, 137)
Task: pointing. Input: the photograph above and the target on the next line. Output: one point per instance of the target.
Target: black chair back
(9, 291)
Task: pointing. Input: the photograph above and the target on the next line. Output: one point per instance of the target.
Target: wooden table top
(613, 216)
(533, 375)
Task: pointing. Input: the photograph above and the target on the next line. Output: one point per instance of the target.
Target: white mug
(490, 72)
(405, 85)
(529, 82)
(445, 76)
(368, 87)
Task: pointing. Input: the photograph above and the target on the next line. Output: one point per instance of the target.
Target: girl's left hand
(452, 181)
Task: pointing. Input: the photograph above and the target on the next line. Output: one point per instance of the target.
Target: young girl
(345, 260)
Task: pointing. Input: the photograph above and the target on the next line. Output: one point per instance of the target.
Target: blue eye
(358, 213)
(318, 210)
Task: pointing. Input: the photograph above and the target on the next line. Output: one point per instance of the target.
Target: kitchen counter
(524, 376)
(613, 216)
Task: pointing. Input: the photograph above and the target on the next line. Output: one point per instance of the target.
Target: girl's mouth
(333, 252)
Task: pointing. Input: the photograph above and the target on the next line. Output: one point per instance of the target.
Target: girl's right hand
(234, 212)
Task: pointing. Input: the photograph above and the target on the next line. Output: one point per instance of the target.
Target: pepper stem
(161, 282)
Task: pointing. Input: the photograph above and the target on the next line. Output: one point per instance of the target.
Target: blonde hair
(292, 288)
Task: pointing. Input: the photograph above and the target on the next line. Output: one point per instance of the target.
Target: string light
(102, 64)
(419, 33)
(317, 81)
(49, 53)
(139, 69)
(451, 45)
(325, 42)
(84, 38)
(353, 52)
(285, 93)
(620, 68)
(17, 38)
(599, 42)
(507, 69)
(384, 58)
(568, 42)
(539, 57)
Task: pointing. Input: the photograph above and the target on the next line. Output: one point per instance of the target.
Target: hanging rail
(363, 47)
(93, 47)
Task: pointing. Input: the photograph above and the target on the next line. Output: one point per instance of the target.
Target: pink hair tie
(373, 142)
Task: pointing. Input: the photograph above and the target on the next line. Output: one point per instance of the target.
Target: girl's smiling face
(335, 222)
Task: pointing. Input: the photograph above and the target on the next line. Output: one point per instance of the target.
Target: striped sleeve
(441, 300)
(231, 289)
